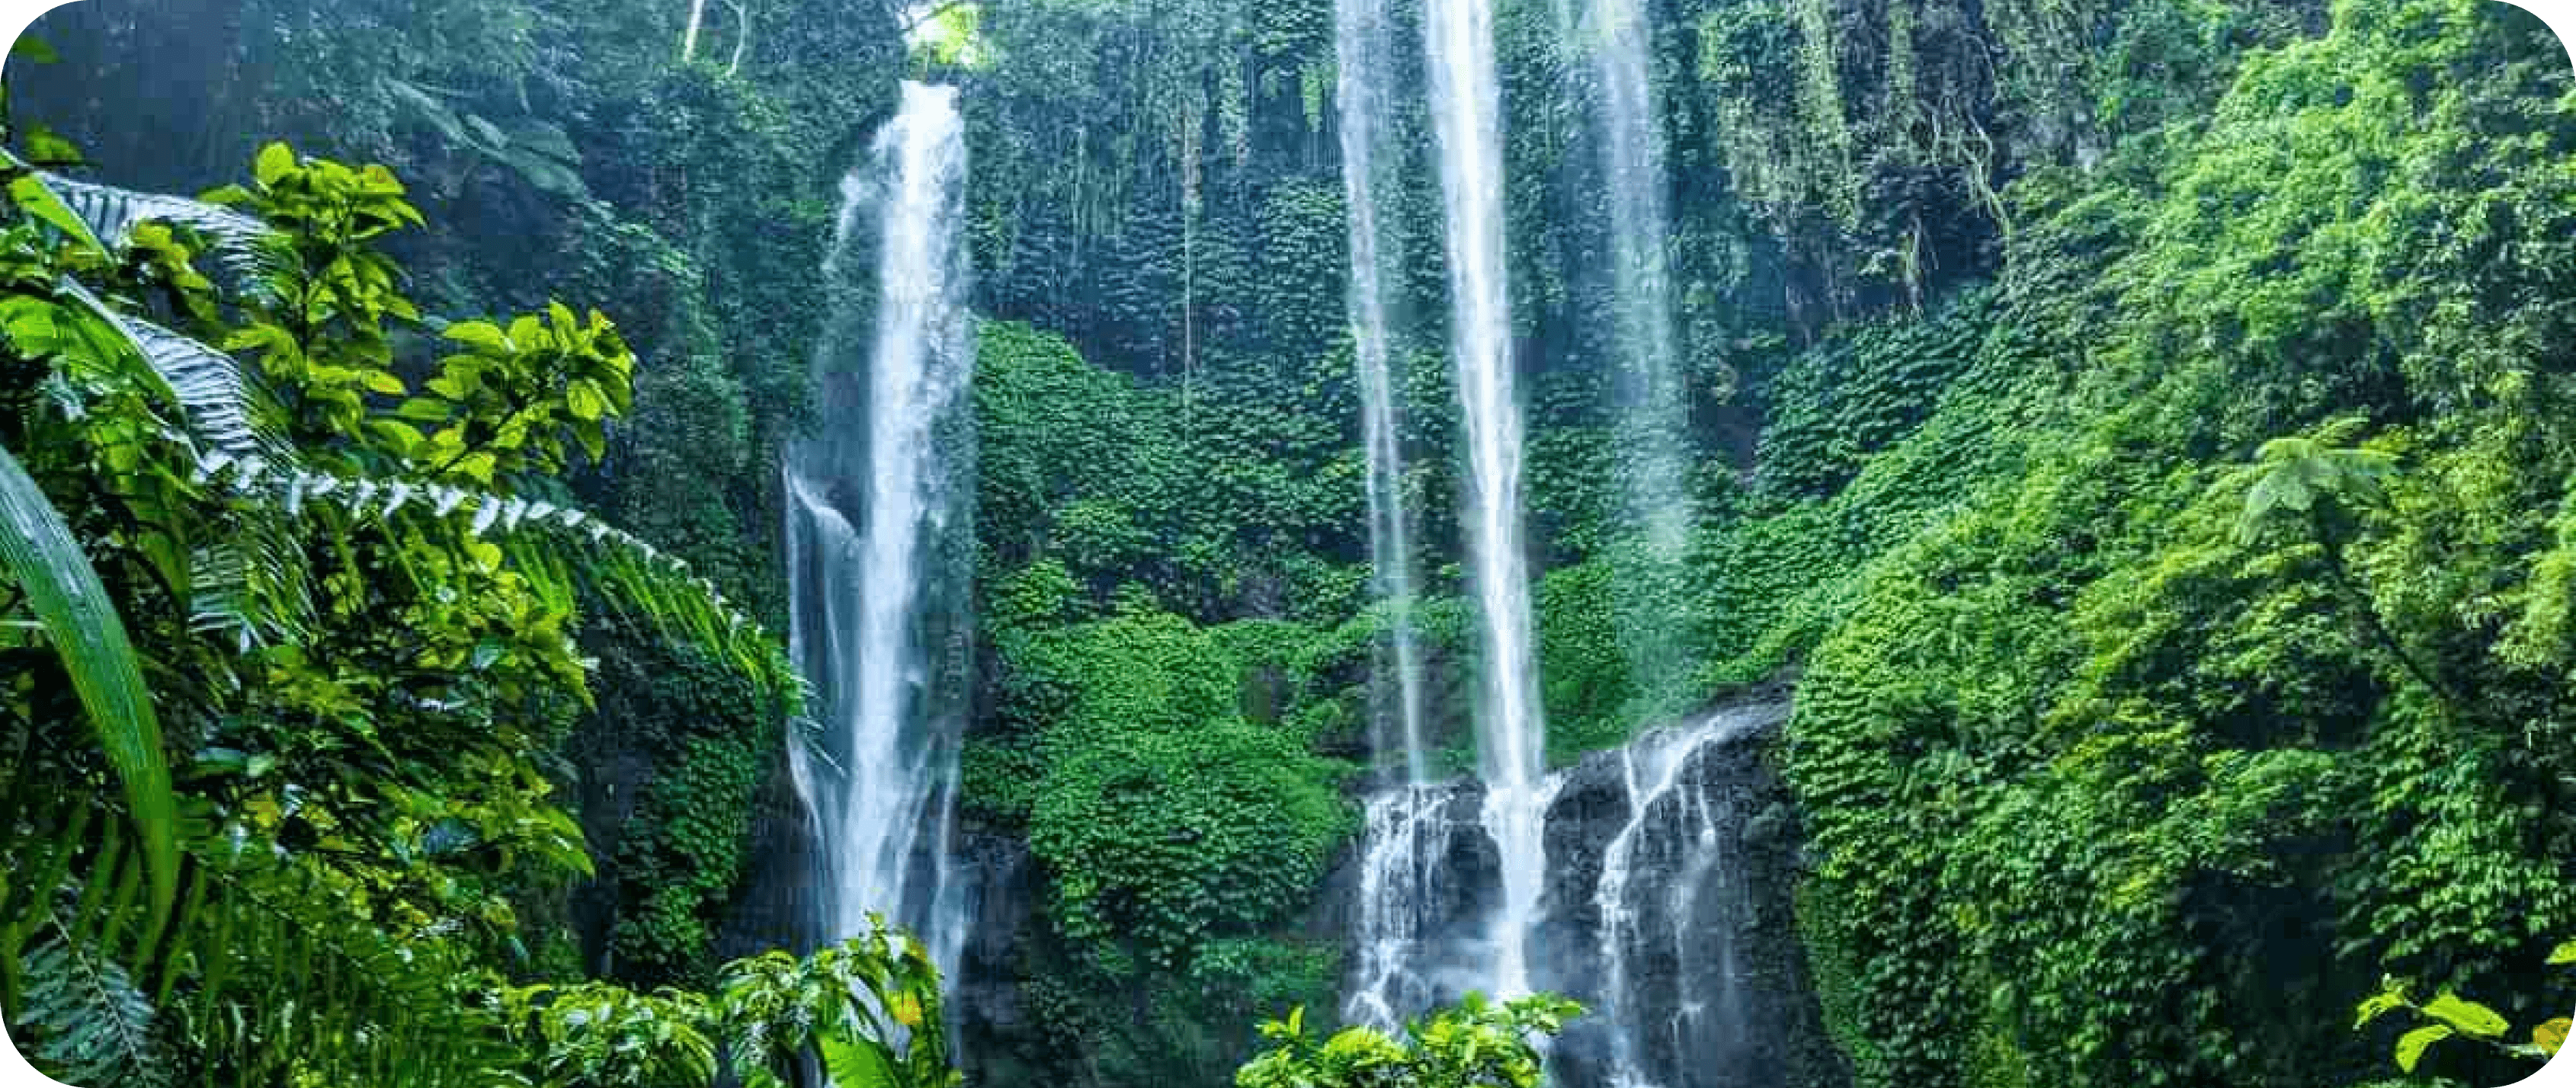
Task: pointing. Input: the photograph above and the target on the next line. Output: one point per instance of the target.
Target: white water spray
(1653, 423)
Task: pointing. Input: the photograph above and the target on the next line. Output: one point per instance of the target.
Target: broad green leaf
(2468, 1016)
(41, 553)
(582, 395)
(2410, 1047)
(2550, 1036)
(477, 334)
(274, 163)
(2565, 953)
(857, 1063)
(2378, 1005)
(425, 410)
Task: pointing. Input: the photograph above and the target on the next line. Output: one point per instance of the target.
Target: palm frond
(39, 551)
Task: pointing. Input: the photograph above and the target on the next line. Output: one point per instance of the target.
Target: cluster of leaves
(1476, 1044)
(868, 1009)
(2451, 1016)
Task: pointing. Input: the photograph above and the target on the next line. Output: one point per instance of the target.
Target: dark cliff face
(984, 999)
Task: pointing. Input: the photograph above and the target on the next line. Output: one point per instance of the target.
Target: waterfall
(1361, 46)
(879, 537)
(1510, 730)
(1653, 426)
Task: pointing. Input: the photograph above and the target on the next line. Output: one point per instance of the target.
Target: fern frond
(251, 585)
(564, 544)
(88, 1023)
(243, 245)
(225, 407)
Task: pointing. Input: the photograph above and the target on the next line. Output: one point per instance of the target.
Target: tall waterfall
(879, 536)
(1361, 42)
(1511, 732)
(1653, 425)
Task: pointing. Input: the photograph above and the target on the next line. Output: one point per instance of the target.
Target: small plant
(2449, 1015)
(1476, 1044)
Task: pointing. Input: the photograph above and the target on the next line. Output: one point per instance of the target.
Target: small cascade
(1668, 878)
(1665, 910)
(1396, 905)
(879, 537)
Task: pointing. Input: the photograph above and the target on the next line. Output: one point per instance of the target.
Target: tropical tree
(354, 601)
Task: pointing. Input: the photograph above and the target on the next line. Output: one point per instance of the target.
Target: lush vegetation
(2142, 428)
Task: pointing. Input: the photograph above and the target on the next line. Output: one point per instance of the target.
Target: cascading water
(1653, 423)
(879, 537)
(1510, 730)
(1361, 41)
(1666, 910)
(1670, 862)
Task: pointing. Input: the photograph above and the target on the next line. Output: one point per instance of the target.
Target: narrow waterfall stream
(879, 537)
(1363, 46)
(1511, 732)
(1653, 416)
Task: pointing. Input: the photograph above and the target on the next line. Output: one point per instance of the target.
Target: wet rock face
(984, 999)
(1667, 912)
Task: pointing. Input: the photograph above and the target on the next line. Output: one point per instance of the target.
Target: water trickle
(1361, 43)
(879, 537)
(1653, 417)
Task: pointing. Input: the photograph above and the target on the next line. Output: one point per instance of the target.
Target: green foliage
(869, 1008)
(2448, 1015)
(357, 680)
(1476, 1044)
(1164, 817)
(598, 1034)
(2091, 748)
